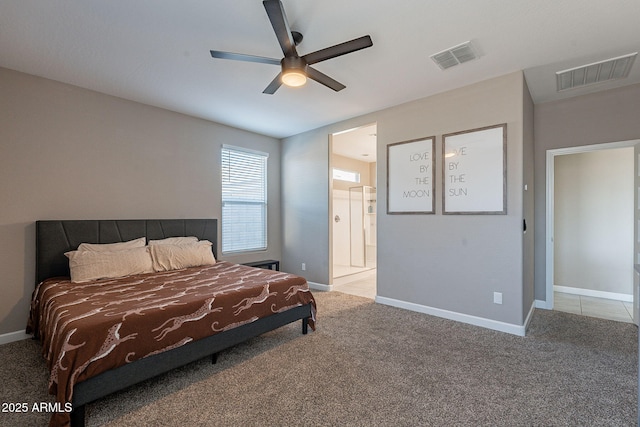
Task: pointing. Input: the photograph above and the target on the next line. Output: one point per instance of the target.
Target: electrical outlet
(497, 297)
(304, 266)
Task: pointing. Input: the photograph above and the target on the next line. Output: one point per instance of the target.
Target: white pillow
(174, 241)
(175, 257)
(112, 247)
(86, 265)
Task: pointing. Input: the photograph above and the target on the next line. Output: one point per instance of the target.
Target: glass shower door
(356, 221)
(362, 221)
(370, 227)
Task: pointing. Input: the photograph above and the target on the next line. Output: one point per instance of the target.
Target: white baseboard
(13, 336)
(529, 316)
(495, 325)
(320, 286)
(542, 304)
(593, 293)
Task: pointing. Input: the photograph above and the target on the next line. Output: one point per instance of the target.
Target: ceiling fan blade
(338, 50)
(242, 57)
(323, 79)
(278, 19)
(274, 85)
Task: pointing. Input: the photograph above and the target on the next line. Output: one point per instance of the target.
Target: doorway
(353, 210)
(590, 226)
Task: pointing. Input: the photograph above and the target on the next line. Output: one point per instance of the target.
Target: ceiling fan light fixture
(294, 71)
(294, 78)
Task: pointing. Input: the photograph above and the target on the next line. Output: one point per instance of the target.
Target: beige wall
(593, 220)
(70, 153)
(349, 164)
(451, 263)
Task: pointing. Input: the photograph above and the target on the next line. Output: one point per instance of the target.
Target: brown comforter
(89, 328)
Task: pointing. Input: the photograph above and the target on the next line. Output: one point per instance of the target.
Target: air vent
(455, 55)
(598, 72)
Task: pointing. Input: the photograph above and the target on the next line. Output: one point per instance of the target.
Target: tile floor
(363, 284)
(620, 311)
(345, 270)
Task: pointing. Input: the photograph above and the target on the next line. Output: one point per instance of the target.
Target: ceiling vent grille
(598, 72)
(453, 56)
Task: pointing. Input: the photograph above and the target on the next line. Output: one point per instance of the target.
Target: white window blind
(244, 200)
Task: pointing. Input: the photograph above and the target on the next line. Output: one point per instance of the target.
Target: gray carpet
(370, 364)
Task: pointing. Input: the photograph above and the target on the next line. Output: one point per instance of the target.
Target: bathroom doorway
(590, 227)
(353, 211)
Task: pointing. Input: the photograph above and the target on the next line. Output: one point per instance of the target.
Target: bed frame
(54, 238)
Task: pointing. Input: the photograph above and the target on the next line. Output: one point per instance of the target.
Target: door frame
(549, 232)
(330, 194)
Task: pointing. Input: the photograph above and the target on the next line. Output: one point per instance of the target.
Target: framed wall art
(474, 171)
(411, 176)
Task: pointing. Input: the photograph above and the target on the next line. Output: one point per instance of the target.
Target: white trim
(527, 321)
(495, 325)
(13, 336)
(246, 150)
(550, 203)
(330, 137)
(593, 293)
(542, 304)
(549, 229)
(320, 286)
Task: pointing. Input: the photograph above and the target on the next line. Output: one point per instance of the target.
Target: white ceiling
(157, 52)
(358, 144)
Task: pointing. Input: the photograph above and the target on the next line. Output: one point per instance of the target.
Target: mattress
(89, 328)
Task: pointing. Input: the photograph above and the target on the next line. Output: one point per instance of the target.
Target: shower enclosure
(362, 204)
(354, 231)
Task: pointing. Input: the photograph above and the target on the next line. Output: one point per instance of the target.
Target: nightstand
(270, 264)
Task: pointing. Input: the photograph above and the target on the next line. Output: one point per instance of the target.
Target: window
(244, 200)
(344, 175)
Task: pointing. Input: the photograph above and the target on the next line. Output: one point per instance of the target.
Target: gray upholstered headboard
(54, 238)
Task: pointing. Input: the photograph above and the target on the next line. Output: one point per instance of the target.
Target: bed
(186, 313)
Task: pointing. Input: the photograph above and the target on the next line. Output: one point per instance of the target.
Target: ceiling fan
(295, 68)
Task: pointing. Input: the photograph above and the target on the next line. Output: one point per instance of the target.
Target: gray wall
(636, 242)
(305, 208)
(447, 262)
(70, 153)
(528, 201)
(608, 116)
(66, 152)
